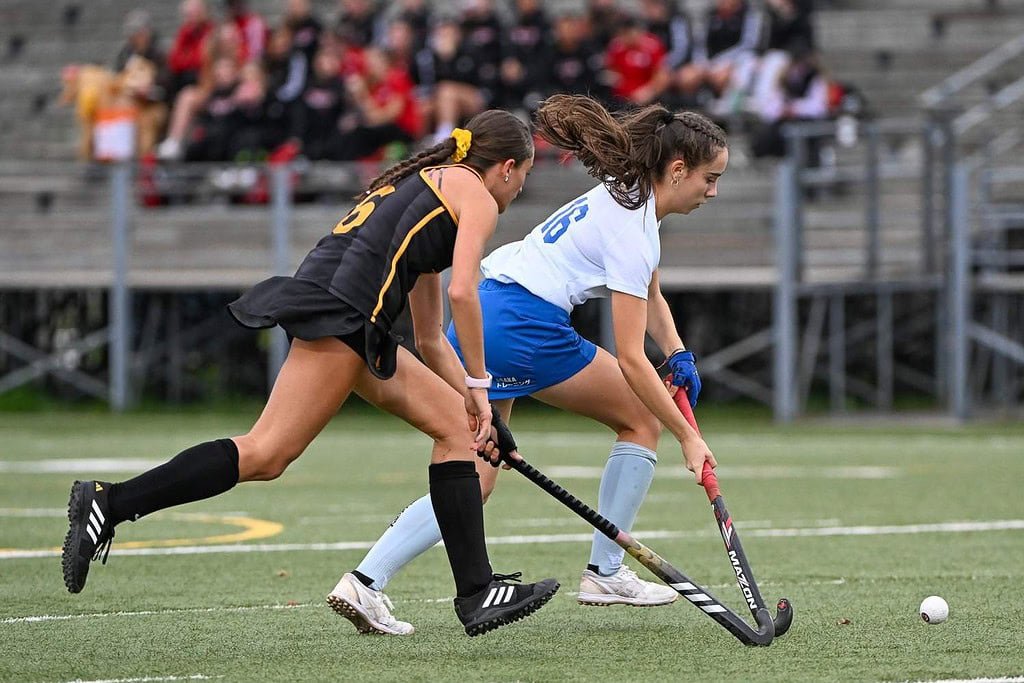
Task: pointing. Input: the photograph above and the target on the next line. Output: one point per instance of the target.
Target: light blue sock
(624, 484)
(414, 532)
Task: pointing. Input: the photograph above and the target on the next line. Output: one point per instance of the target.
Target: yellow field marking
(251, 530)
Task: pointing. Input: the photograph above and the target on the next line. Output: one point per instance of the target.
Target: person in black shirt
(446, 76)
(414, 221)
(357, 20)
(574, 63)
(524, 60)
(321, 105)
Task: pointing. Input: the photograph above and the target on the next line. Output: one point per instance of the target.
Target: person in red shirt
(385, 110)
(635, 60)
(185, 59)
(251, 26)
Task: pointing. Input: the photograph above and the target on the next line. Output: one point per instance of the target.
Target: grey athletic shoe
(623, 587)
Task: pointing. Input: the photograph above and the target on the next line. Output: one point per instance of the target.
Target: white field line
(254, 608)
(147, 679)
(1011, 679)
(742, 472)
(77, 465)
(150, 613)
(798, 532)
(117, 465)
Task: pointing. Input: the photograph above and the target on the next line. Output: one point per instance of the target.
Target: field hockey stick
(694, 593)
(744, 576)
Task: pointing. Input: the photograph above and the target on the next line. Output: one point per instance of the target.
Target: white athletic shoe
(368, 609)
(623, 587)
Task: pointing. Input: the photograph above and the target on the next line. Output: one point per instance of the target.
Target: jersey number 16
(559, 223)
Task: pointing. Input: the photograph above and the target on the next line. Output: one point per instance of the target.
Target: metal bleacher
(861, 219)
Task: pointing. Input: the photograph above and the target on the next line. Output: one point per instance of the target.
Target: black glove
(502, 436)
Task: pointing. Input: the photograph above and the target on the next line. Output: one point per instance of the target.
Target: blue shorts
(528, 342)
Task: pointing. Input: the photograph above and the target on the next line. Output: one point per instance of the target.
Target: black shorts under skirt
(307, 311)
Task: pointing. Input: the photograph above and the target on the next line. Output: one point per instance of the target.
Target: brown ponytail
(630, 150)
(497, 136)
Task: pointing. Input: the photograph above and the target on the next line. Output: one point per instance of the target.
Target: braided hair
(628, 151)
(497, 136)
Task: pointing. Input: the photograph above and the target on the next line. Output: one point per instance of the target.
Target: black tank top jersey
(374, 255)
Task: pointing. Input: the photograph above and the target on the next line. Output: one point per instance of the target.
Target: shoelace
(104, 547)
(626, 572)
(516, 576)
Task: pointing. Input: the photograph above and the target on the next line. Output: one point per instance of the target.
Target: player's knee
(259, 460)
(643, 429)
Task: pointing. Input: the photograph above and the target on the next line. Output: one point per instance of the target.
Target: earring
(675, 181)
(506, 177)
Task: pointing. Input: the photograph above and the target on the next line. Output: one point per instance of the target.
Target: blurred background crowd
(377, 79)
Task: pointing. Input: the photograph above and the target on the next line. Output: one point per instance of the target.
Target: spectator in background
(635, 62)
(724, 56)
(384, 111)
(789, 31)
(575, 64)
(319, 109)
(482, 37)
(185, 59)
(210, 139)
(251, 27)
(139, 40)
(224, 44)
(252, 137)
(666, 22)
(447, 78)
(305, 28)
(357, 22)
(524, 64)
(416, 14)
(401, 43)
(285, 65)
(603, 19)
(801, 93)
(144, 78)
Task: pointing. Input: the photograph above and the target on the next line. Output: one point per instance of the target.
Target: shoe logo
(95, 525)
(99, 487)
(498, 596)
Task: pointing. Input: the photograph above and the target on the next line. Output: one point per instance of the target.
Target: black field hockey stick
(737, 558)
(693, 592)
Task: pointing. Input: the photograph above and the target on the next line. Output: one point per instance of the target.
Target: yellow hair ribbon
(463, 138)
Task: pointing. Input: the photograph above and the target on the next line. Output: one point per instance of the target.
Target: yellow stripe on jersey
(398, 254)
(437, 191)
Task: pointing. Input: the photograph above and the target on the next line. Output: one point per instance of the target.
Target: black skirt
(307, 311)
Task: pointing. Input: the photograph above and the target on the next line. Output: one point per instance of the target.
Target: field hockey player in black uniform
(414, 221)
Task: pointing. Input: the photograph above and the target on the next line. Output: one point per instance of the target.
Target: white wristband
(478, 383)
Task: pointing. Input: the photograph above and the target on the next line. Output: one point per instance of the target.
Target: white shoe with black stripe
(502, 602)
(89, 533)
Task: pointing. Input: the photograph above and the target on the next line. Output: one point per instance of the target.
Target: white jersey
(586, 249)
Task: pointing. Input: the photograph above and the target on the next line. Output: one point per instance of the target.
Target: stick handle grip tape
(708, 478)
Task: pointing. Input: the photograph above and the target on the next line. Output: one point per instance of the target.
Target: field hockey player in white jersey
(652, 162)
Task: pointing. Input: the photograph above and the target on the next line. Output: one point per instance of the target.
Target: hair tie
(463, 138)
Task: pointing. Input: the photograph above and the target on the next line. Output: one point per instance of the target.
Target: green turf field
(856, 524)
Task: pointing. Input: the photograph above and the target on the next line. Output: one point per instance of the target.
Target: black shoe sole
(69, 554)
(521, 613)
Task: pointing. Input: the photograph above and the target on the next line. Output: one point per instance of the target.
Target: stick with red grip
(744, 576)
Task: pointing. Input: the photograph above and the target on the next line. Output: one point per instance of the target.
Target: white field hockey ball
(934, 610)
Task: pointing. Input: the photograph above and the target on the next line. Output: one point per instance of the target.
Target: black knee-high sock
(199, 472)
(455, 495)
